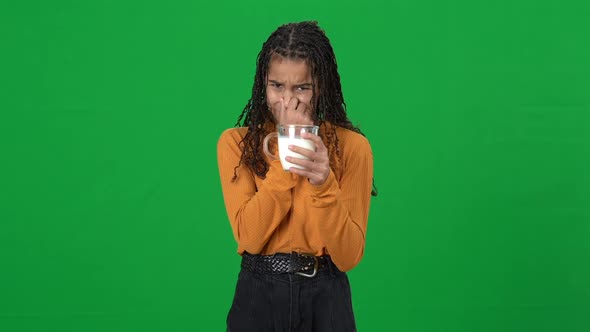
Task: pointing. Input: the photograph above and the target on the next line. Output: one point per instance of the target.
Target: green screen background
(478, 112)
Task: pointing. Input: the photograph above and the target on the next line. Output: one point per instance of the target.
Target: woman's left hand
(317, 168)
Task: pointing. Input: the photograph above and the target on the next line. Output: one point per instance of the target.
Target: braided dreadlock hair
(296, 41)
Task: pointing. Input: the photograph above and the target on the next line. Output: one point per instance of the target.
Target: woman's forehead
(286, 67)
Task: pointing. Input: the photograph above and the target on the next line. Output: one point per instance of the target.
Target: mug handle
(265, 146)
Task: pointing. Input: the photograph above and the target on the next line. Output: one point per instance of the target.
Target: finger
(301, 107)
(307, 164)
(314, 178)
(302, 172)
(303, 151)
(292, 104)
(276, 108)
(321, 168)
(319, 143)
(281, 114)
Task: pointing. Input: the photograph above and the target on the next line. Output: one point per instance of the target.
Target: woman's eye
(302, 88)
(276, 85)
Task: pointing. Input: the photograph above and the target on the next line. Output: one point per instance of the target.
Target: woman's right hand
(291, 112)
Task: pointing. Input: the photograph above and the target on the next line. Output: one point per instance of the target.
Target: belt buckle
(316, 265)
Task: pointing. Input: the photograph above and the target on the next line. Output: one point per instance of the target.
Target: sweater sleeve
(340, 209)
(254, 213)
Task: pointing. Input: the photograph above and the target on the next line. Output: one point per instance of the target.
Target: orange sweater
(284, 212)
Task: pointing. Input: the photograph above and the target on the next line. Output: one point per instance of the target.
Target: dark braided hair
(297, 41)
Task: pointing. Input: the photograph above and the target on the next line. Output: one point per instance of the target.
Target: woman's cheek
(306, 99)
(271, 99)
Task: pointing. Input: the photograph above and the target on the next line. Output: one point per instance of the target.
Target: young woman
(298, 230)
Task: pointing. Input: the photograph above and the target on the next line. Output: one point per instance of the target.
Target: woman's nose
(287, 95)
(288, 100)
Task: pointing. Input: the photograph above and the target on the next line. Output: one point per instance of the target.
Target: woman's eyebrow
(297, 85)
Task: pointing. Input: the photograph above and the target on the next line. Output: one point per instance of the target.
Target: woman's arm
(340, 209)
(254, 213)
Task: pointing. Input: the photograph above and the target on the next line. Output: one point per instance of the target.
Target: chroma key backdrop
(478, 113)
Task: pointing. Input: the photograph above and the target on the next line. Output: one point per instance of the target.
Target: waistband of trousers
(281, 263)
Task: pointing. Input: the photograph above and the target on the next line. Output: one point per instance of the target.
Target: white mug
(290, 134)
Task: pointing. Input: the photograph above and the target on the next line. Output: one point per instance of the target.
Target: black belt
(306, 265)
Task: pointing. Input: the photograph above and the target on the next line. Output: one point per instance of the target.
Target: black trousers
(290, 302)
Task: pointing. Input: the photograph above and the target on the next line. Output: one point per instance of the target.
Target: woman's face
(288, 79)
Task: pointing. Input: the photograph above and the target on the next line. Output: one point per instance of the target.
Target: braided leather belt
(306, 265)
